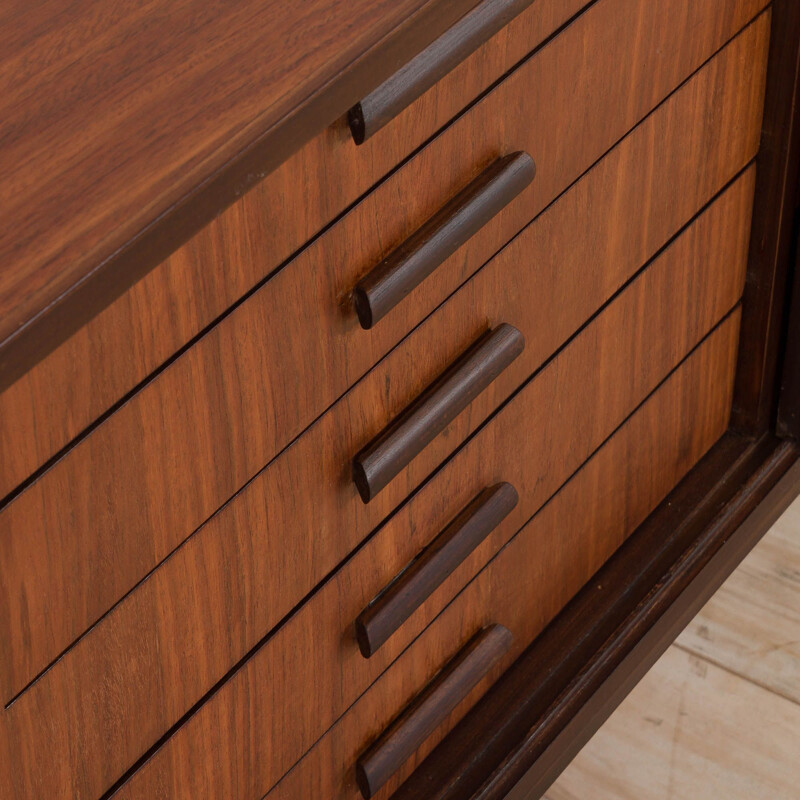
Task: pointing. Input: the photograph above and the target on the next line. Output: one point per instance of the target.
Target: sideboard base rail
(527, 729)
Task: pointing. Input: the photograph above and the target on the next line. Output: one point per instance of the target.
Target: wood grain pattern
(750, 627)
(84, 376)
(414, 78)
(406, 436)
(774, 227)
(690, 729)
(546, 563)
(381, 289)
(430, 708)
(524, 732)
(689, 164)
(114, 118)
(191, 605)
(758, 651)
(735, 528)
(408, 590)
(569, 126)
(191, 612)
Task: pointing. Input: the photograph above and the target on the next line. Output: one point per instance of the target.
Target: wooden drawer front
(155, 655)
(85, 376)
(156, 470)
(536, 574)
(234, 542)
(216, 754)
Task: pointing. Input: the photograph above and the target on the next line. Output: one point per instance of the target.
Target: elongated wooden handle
(438, 238)
(399, 741)
(434, 409)
(440, 57)
(387, 612)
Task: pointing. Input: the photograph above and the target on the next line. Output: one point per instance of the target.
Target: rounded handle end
(363, 639)
(361, 480)
(358, 126)
(363, 307)
(363, 782)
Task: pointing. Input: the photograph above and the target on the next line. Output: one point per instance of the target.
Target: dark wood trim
(416, 427)
(129, 261)
(432, 706)
(613, 629)
(438, 238)
(788, 424)
(755, 395)
(588, 716)
(385, 102)
(522, 734)
(409, 590)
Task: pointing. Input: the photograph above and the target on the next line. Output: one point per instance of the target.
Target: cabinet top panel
(125, 127)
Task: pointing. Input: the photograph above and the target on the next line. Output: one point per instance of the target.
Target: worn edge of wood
(535, 718)
(125, 262)
(777, 169)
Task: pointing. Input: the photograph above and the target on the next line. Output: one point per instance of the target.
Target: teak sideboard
(383, 385)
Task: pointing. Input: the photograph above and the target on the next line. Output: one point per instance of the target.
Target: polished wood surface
(406, 436)
(539, 438)
(546, 563)
(408, 590)
(126, 129)
(624, 619)
(571, 123)
(262, 560)
(438, 238)
(738, 529)
(63, 394)
(689, 164)
(387, 754)
(415, 77)
(774, 228)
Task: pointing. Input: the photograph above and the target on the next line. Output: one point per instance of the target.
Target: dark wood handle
(434, 409)
(440, 57)
(399, 741)
(395, 604)
(438, 238)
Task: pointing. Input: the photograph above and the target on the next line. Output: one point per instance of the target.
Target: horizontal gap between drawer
(79, 437)
(422, 483)
(701, 512)
(516, 533)
(75, 441)
(220, 683)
